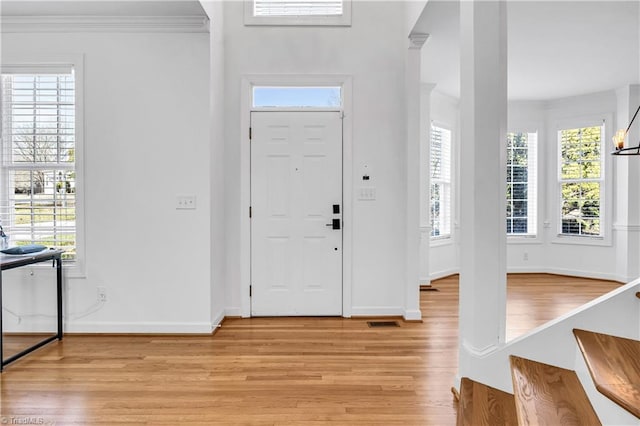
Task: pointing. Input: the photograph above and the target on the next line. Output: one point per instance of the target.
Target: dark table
(16, 261)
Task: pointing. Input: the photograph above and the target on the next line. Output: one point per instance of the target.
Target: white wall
(146, 140)
(374, 55)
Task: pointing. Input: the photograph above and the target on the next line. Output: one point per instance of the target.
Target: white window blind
(440, 172)
(38, 190)
(581, 181)
(522, 183)
(297, 8)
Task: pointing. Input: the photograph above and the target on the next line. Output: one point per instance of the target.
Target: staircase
(549, 395)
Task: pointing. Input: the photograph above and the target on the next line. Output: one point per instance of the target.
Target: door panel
(296, 178)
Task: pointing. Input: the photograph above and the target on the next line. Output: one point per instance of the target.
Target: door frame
(247, 84)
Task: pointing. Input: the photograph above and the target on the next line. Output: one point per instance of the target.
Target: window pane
(297, 97)
(519, 191)
(38, 121)
(570, 171)
(521, 198)
(519, 174)
(440, 171)
(590, 151)
(519, 209)
(519, 226)
(591, 169)
(581, 156)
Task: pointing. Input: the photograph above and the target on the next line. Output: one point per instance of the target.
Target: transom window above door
(297, 97)
(305, 12)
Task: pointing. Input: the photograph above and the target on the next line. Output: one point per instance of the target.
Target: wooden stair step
(614, 364)
(482, 405)
(549, 395)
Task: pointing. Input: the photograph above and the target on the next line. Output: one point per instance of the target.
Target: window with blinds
(521, 184)
(38, 190)
(300, 12)
(440, 173)
(581, 181)
(297, 8)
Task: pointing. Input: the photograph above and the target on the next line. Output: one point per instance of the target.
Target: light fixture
(620, 136)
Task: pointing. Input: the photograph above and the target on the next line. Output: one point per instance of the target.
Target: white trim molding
(626, 228)
(40, 24)
(479, 352)
(151, 327)
(417, 40)
(247, 83)
(378, 311)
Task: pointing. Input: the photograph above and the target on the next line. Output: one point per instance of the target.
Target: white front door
(296, 194)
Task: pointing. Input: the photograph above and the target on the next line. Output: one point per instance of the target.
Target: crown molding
(57, 24)
(417, 40)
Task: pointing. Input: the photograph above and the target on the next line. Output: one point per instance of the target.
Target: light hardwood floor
(273, 371)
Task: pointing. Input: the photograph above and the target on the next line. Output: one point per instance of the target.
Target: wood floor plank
(273, 371)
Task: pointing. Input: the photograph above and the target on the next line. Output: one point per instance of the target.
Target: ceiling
(102, 8)
(556, 49)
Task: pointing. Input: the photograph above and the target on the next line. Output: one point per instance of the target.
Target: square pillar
(483, 123)
(414, 133)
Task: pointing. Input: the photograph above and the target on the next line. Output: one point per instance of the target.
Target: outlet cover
(185, 202)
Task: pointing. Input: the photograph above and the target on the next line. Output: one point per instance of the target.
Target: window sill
(440, 241)
(581, 241)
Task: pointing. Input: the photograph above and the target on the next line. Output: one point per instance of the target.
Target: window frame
(343, 20)
(606, 186)
(48, 64)
(535, 235)
(445, 238)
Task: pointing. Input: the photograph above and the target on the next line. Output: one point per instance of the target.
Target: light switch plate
(367, 193)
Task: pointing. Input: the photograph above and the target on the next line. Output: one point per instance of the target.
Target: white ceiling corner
(555, 49)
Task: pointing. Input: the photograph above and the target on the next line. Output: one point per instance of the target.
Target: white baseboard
(377, 311)
(439, 274)
(216, 320)
(412, 315)
(138, 327)
(539, 270)
(233, 312)
(568, 272)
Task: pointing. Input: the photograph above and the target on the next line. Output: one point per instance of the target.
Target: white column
(483, 119)
(627, 189)
(412, 294)
(425, 181)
